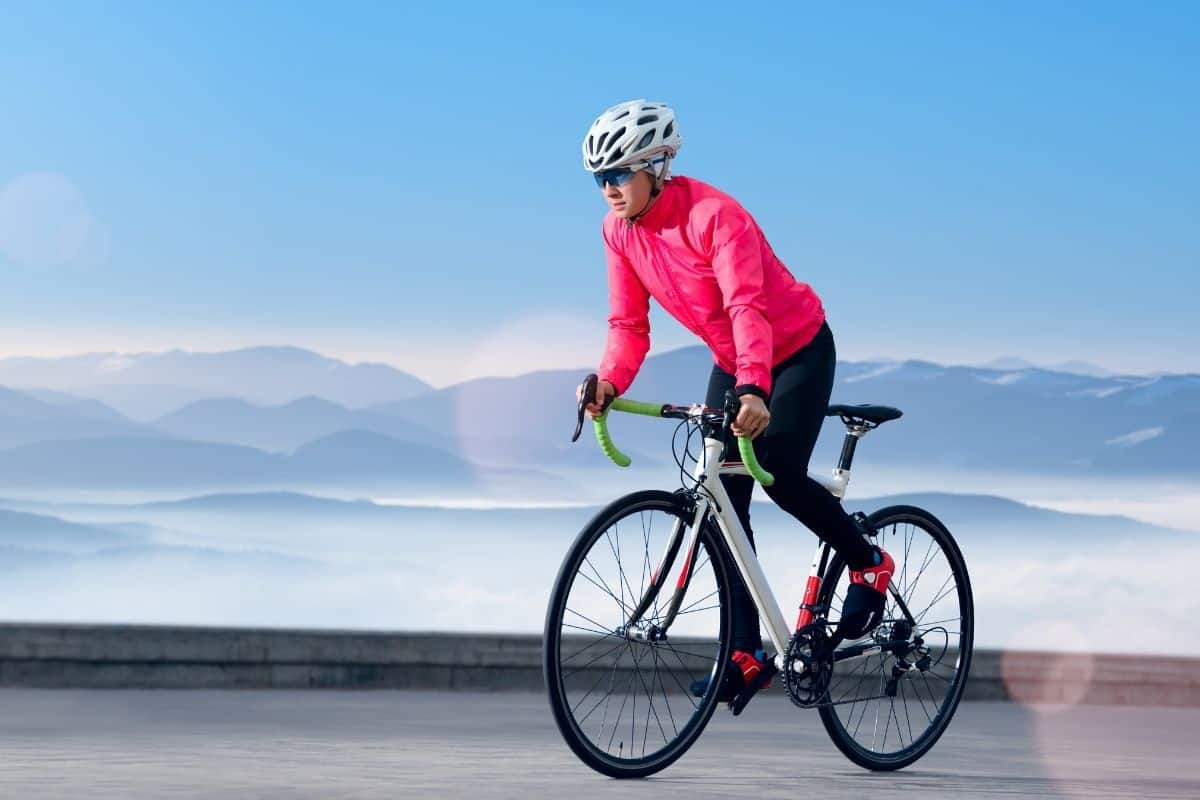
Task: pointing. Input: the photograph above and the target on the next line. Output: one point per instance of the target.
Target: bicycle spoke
(621, 567)
(877, 703)
(887, 725)
(601, 640)
(696, 611)
(866, 705)
(589, 619)
(624, 700)
(616, 551)
(703, 656)
(608, 698)
(589, 630)
(858, 686)
(625, 611)
(924, 564)
(701, 600)
(932, 698)
(907, 545)
(911, 738)
(583, 719)
(646, 560)
(589, 692)
(686, 692)
(663, 687)
(611, 650)
(942, 592)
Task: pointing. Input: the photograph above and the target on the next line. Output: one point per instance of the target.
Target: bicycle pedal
(764, 676)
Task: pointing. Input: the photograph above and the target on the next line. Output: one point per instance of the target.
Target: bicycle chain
(811, 646)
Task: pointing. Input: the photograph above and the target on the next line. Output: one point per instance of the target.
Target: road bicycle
(635, 649)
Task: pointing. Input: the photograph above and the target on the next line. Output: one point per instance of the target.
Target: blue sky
(387, 182)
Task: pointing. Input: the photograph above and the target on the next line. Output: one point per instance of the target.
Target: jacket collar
(660, 210)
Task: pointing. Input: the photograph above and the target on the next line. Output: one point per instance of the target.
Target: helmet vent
(645, 140)
(600, 141)
(667, 130)
(619, 116)
(616, 136)
(647, 118)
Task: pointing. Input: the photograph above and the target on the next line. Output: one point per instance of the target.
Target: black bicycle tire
(650, 499)
(845, 743)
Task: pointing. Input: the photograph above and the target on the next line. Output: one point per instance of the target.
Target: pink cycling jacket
(705, 260)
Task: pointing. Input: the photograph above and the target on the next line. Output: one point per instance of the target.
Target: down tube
(743, 555)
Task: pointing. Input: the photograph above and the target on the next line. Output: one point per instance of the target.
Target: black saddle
(864, 411)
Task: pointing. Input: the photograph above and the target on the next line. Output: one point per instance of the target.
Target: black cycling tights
(801, 386)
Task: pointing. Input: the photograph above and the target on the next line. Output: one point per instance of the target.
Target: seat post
(853, 434)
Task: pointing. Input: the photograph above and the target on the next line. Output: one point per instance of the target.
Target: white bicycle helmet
(628, 133)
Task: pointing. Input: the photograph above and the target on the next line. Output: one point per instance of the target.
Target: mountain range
(146, 385)
(287, 417)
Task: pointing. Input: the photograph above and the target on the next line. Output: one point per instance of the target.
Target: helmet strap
(660, 178)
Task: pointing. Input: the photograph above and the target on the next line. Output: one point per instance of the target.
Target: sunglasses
(621, 175)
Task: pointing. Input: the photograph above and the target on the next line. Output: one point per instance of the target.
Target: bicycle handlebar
(745, 446)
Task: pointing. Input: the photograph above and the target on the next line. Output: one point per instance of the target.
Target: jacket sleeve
(737, 261)
(628, 322)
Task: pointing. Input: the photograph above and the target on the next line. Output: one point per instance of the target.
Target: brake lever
(731, 407)
(733, 404)
(590, 383)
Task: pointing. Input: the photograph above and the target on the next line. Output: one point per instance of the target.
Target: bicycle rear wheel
(622, 694)
(890, 692)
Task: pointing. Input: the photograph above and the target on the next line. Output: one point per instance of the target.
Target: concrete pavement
(400, 744)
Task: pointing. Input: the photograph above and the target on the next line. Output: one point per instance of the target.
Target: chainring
(808, 665)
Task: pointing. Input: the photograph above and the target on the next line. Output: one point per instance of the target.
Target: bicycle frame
(744, 557)
(712, 498)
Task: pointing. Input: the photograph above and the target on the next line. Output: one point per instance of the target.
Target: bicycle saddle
(876, 414)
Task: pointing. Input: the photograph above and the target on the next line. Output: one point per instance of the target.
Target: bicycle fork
(658, 579)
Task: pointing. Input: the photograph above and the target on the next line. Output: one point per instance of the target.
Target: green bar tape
(606, 442)
(746, 448)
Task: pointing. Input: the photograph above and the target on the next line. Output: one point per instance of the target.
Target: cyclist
(696, 251)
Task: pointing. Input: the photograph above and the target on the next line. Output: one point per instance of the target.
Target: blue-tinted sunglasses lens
(617, 177)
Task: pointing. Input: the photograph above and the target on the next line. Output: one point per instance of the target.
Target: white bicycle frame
(738, 543)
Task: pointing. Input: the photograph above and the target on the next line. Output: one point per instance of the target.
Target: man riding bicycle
(701, 255)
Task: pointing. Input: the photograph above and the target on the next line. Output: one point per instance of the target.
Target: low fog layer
(1042, 578)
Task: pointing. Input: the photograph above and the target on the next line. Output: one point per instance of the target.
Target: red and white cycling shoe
(746, 675)
(866, 596)
(878, 576)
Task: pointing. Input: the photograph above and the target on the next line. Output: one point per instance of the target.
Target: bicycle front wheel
(628, 698)
(894, 695)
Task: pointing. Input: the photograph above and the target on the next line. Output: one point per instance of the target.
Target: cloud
(45, 222)
(1137, 437)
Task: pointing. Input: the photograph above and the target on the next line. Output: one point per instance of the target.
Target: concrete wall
(127, 656)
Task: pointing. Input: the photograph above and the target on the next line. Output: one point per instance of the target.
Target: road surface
(397, 744)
